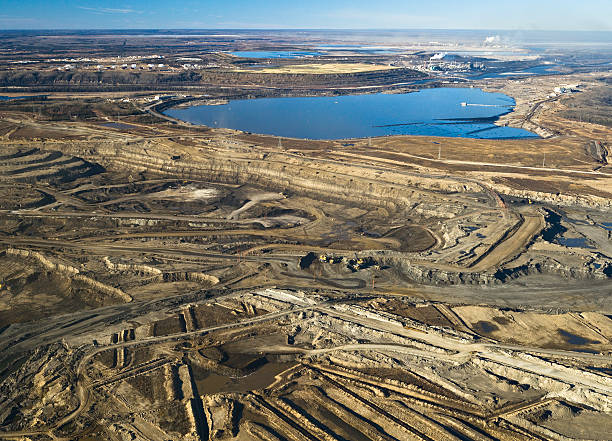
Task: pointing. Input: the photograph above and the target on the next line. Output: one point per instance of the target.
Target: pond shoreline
(445, 112)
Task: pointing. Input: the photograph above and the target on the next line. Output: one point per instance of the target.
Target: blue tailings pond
(275, 54)
(453, 112)
(543, 69)
(8, 98)
(366, 50)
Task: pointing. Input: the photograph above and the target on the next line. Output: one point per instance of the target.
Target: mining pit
(161, 280)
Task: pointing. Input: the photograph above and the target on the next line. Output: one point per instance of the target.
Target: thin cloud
(9, 19)
(108, 10)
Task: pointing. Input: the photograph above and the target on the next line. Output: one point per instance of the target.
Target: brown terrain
(160, 280)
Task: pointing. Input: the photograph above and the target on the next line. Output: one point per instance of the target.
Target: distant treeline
(67, 109)
(133, 81)
(32, 78)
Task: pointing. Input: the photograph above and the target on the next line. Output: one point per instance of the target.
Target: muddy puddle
(574, 242)
(212, 382)
(554, 231)
(120, 126)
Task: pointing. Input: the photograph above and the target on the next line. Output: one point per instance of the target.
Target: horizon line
(303, 29)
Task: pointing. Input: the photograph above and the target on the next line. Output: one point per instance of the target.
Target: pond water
(118, 125)
(485, 53)
(209, 383)
(543, 69)
(574, 242)
(7, 98)
(430, 112)
(372, 50)
(275, 54)
(607, 226)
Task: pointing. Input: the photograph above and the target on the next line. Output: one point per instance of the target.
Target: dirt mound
(33, 287)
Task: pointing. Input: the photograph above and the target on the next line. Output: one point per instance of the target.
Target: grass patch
(320, 69)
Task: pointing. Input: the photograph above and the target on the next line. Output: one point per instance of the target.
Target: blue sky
(328, 14)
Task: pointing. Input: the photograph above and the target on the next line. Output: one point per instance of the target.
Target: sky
(592, 15)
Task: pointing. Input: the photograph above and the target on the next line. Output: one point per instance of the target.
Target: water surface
(373, 50)
(275, 54)
(430, 112)
(8, 98)
(118, 125)
(543, 69)
(574, 242)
